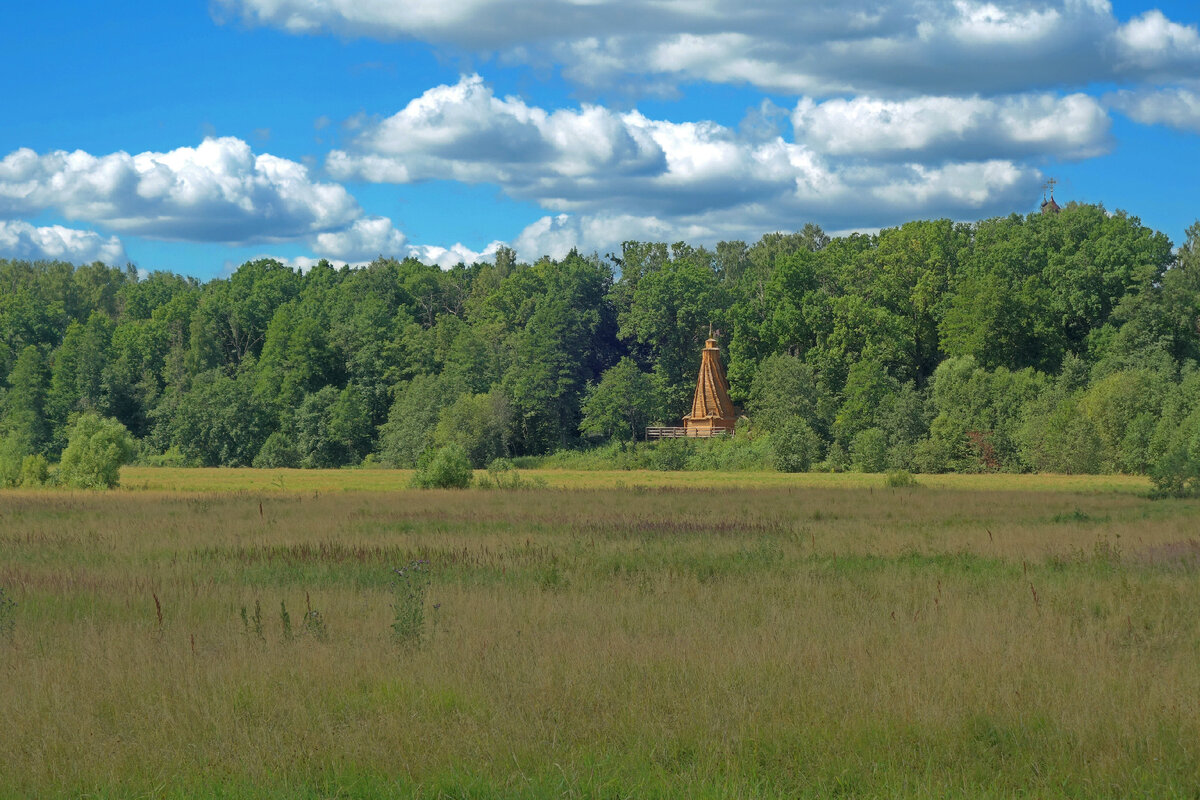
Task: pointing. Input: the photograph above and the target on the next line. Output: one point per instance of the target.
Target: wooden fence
(684, 433)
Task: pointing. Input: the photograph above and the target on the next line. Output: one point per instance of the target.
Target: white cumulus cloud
(858, 198)
(555, 236)
(815, 47)
(1075, 126)
(20, 239)
(447, 257)
(369, 237)
(220, 191)
(600, 165)
(1175, 107)
(464, 132)
(363, 240)
(1153, 43)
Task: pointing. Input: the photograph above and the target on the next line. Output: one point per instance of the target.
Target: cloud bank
(220, 191)
(19, 239)
(1020, 126)
(1174, 107)
(819, 47)
(897, 109)
(373, 236)
(850, 164)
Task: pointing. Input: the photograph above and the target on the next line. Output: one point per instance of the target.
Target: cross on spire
(1049, 184)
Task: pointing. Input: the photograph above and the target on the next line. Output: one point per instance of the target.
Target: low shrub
(35, 470)
(445, 468)
(12, 455)
(278, 451)
(900, 479)
(172, 457)
(733, 453)
(501, 475)
(836, 459)
(8, 608)
(96, 450)
(1177, 472)
(409, 587)
(668, 455)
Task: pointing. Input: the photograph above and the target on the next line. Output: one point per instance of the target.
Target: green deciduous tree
(414, 415)
(867, 389)
(23, 405)
(278, 451)
(977, 415)
(332, 428)
(1124, 409)
(1056, 436)
(869, 450)
(217, 422)
(479, 424)
(1174, 451)
(669, 317)
(230, 322)
(786, 388)
(97, 448)
(296, 359)
(12, 453)
(795, 447)
(565, 344)
(622, 404)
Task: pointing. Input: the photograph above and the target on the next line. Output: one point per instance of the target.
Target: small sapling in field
(501, 475)
(253, 624)
(409, 587)
(314, 623)
(7, 607)
(158, 614)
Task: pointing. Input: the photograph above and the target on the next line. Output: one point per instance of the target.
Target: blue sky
(194, 136)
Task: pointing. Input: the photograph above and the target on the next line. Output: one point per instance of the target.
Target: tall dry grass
(221, 479)
(603, 643)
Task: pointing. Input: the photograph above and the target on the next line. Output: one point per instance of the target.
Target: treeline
(1064, 342)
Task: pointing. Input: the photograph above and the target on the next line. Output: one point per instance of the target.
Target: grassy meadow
(221, 479)
(608, 635)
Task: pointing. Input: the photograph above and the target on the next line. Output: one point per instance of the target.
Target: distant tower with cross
(712, 411)
(1048, 204)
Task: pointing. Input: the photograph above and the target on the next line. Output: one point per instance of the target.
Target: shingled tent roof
(711, 401)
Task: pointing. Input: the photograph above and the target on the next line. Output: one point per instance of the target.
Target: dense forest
(1063, 342)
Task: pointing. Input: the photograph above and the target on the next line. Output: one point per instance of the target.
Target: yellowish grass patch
(797, 640)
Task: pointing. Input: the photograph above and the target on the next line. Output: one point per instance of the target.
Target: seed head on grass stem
(285, 621)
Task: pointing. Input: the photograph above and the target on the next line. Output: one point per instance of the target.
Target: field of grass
(384, 480)
(610, 635)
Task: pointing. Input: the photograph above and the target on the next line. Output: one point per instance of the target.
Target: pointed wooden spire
(712, 410)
